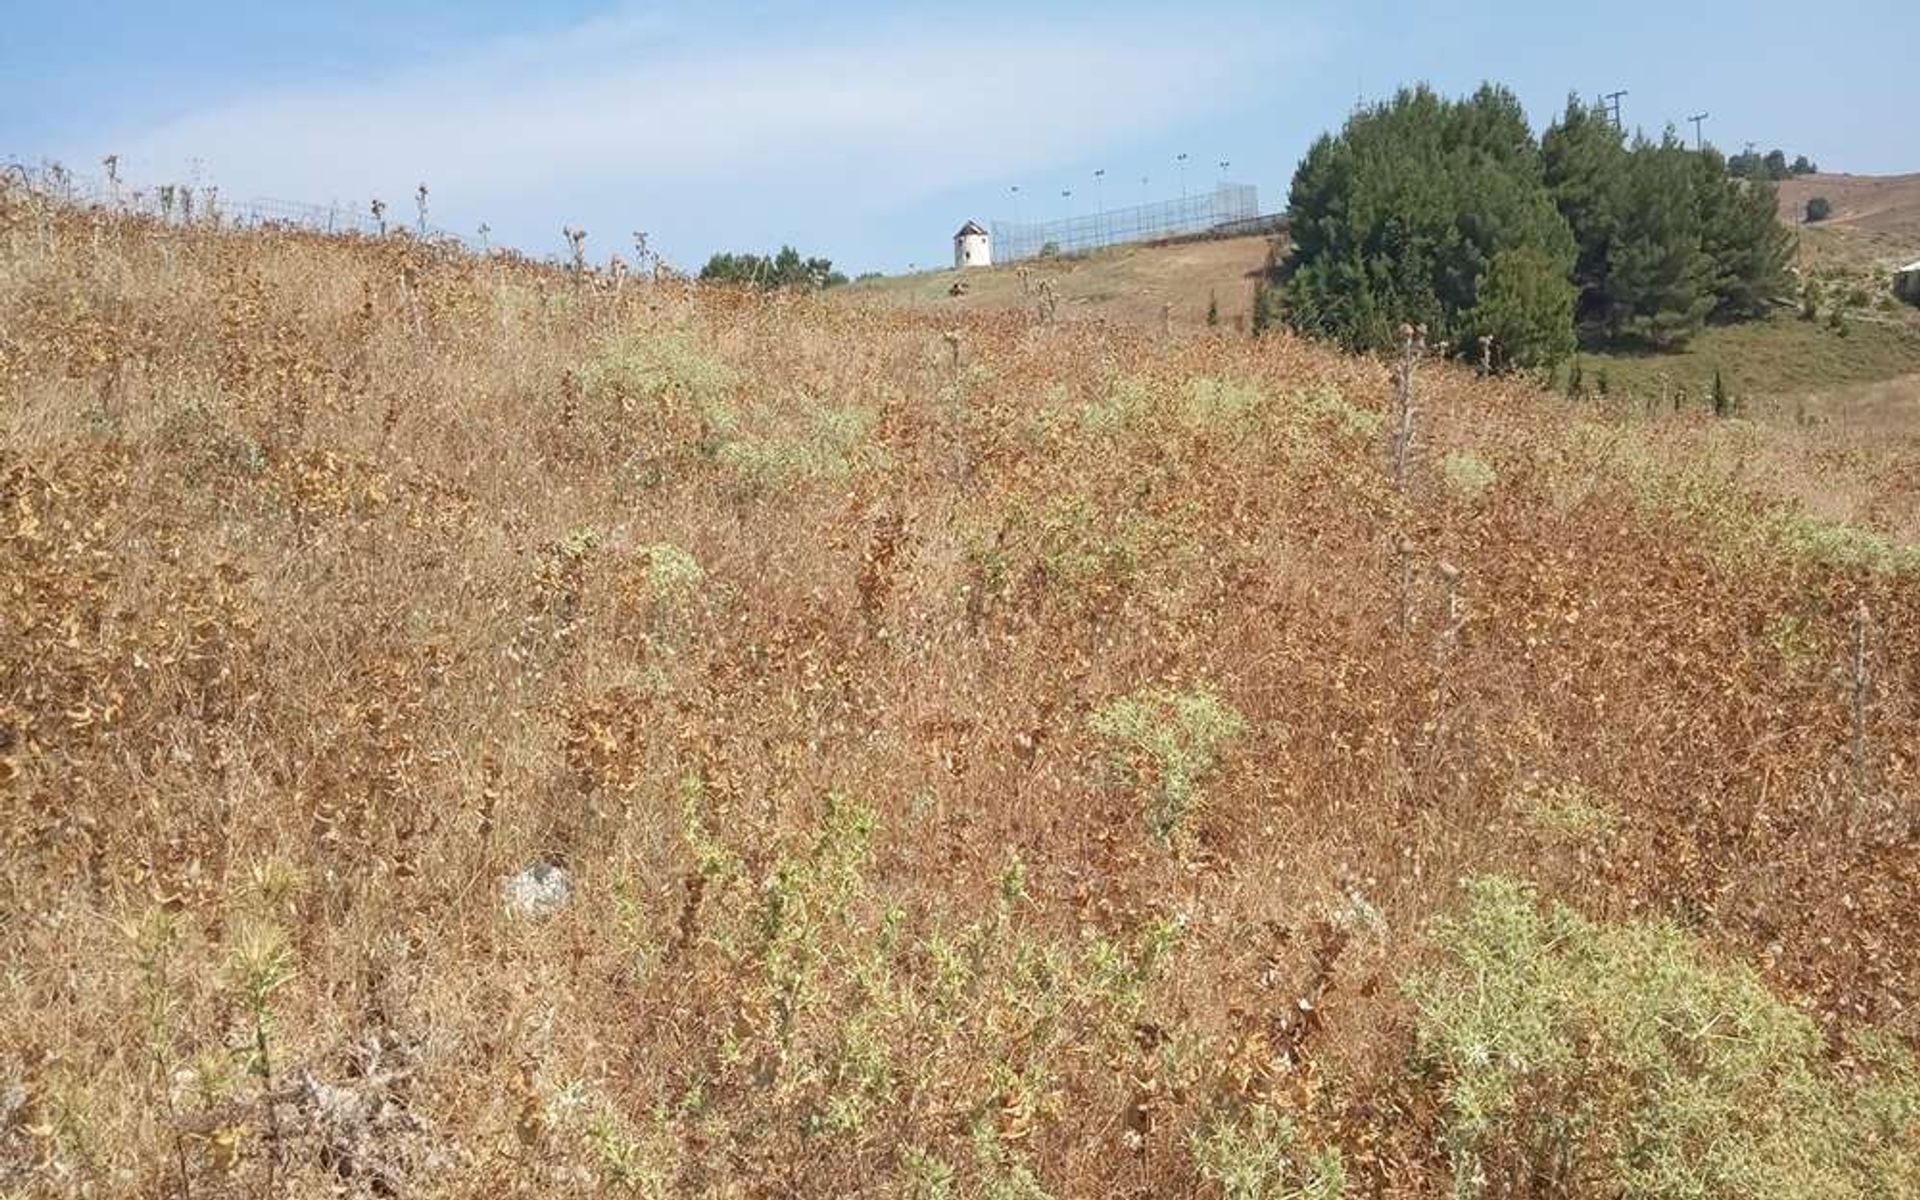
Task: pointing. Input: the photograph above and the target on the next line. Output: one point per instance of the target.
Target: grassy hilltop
(988, 756)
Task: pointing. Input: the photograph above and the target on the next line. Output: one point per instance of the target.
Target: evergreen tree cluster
(1449, 214)
(783, 270)
(1773, 165)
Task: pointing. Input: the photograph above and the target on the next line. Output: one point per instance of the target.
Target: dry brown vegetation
(1149, 285)
(991, 757)
(1876, 218)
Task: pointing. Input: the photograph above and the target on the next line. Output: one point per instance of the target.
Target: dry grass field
(987, 757)
(1151, 286)
(1875, 221)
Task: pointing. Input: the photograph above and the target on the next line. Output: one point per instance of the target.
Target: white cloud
(631, 106)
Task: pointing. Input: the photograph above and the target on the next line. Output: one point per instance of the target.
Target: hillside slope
(1133, 284)
(1875, 221)
(468, 731)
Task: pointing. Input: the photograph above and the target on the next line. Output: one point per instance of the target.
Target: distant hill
(1875, 221)
(1128, 284)
(1875, 225)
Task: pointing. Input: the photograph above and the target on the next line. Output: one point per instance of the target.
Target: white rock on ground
(539, 891)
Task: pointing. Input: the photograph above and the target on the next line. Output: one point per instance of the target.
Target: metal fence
(1227, 204)
(189, 204)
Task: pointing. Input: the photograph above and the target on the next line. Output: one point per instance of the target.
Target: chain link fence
(1228, 205)
(189, 204)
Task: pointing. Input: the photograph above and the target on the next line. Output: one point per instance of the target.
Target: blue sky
(869, 131)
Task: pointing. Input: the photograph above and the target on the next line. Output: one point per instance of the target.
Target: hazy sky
(867, 131)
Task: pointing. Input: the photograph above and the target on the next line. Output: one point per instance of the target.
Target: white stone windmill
(972, 246)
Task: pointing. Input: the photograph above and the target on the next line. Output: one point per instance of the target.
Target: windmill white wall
(972, 247)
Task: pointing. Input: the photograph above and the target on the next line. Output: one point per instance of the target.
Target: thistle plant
(577, 247)
(259, 964)
(153, 939)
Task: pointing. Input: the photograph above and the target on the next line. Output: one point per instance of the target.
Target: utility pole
(1100, 204)
(1611, 102)
(1699, 143)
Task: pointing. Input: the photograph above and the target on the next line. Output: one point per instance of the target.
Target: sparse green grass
(1782, 355)
(1563, 810)
(1700, 492)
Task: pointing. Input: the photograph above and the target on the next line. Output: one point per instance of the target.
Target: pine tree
(1402, 217)
(1266, 307)
(1584, 162)
(1659, 278)
(1741, 234)
(1526, 308)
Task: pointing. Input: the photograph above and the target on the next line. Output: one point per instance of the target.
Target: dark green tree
(1747, 247)
(1819, 209)
(1402, 217)
(1525, 307)
(1659, 286)
(783, 270)
(1584, 159)
(1266, 307)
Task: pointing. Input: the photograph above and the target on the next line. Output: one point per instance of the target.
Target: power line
(1611, 102)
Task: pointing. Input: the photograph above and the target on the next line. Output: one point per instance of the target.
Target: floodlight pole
(1182, 160)
(1100, 205)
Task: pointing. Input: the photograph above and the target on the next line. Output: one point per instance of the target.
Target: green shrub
(1563, 811)
(1206, 404)
(672, 573)
(1466, 474)
(1819, 209)
(1258, 1156)
(673, 365)
(1580, 1058)
(823, 443)
(1266, 307)
(1167, 741)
